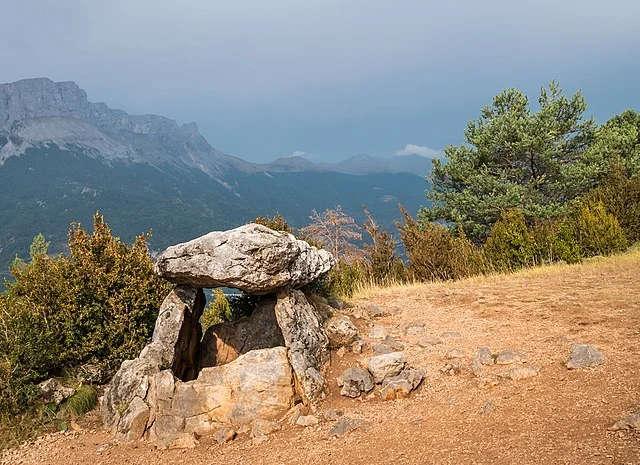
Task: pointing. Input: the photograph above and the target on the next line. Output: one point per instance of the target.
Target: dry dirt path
(560, 416)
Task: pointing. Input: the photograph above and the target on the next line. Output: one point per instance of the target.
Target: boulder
(54, 391)
(226, 434)
(386, 365)
(178, 332)
(508, 357)
(484, 356)
(518, 373)
(584, 356)
(252, 257)
(134, 421)
(307, 342)
(257, 385)
(224, 342)
(396, 389)
(343, 426)
(341, 331)
(400, 386)
(354, 381)
(173, 346)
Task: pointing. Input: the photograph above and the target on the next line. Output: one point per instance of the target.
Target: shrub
(510, 245)
(276, 222)
(383, 266)
(98, 305)
(596, 231)
(217, 311)
(436, 254)
(620, 196)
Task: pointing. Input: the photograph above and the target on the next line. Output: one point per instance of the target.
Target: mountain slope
(62, 158)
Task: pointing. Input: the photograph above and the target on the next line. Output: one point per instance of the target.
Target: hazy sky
(328, 78)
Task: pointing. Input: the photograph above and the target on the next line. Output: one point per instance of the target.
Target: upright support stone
(307, 342)
(174, 346)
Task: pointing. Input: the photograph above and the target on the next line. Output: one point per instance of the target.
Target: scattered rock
(341, 331)
(399, 387)
(488, 381)
(307, 420)
(393, 343)
(454, 367)
(252, 257)
(377, 332)
(451, 335)
(264, 428)
(453, 354)
(375, 311)
(332, 414)
(356, 347)
(429, 341)
(519, 373)
(476, 368)
(341, 352)
(379, 349)
(386, 365)
(632, 422)
(343, 426)
(179, 441)
(395, 389)
(54, 391)
(354, 381)
(414, 329)
(584, 356)
(226, 434)
(484, 356)
(488, 408)
(508, 357)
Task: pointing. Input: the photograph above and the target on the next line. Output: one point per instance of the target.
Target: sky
(325, 79)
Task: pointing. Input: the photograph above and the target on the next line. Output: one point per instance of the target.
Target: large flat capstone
(252, 257)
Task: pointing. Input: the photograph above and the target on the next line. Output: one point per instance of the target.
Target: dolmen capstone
(185, 384)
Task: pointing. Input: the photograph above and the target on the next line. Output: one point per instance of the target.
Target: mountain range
(63, 157)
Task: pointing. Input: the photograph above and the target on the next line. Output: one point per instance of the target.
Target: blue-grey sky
(329, 78)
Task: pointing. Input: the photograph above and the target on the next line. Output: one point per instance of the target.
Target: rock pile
(184, 385)
(389, 370)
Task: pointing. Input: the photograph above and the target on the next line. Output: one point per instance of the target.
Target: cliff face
(39, 112)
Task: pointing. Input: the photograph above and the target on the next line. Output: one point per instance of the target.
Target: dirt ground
(558, 417)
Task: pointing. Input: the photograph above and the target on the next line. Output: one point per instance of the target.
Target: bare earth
(560, 416)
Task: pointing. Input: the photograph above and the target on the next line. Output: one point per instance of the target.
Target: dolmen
(185, 384)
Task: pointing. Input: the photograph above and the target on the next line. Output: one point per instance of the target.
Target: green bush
(217, 311)
(596, 231)
(620, 196)
(510, 245)
(98, 305)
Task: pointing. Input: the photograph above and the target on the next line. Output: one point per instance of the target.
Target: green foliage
(596, 231)
(83, 401)
(39, 247)
(434, 253)
(276, 222)
(514, 159)
(346, 278)
(587, 230)
(510, 245)
(217, 311)
(98, 305)
(620, 196)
